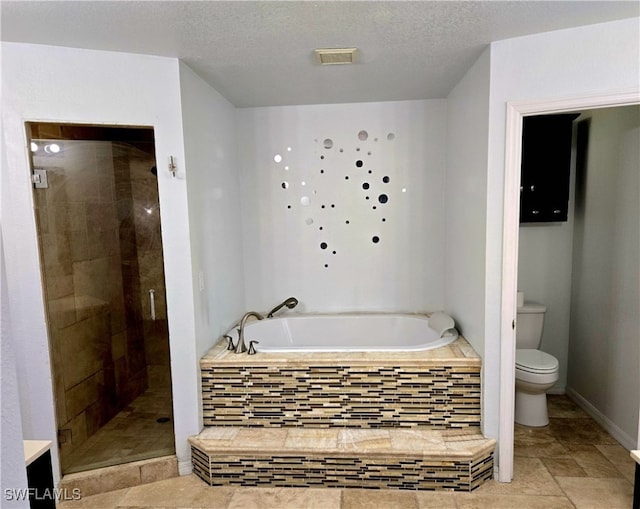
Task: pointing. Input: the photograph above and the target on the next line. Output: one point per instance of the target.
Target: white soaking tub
(359, 332)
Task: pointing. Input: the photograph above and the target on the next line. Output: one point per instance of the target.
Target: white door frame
(511, 218)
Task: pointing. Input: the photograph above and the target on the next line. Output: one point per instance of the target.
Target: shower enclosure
(98, 222)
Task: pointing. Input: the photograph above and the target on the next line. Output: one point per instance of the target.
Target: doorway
(510, 248)
(98, 223)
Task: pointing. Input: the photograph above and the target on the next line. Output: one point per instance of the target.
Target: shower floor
(134, 434)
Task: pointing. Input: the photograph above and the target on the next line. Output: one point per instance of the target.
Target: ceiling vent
(332, 56)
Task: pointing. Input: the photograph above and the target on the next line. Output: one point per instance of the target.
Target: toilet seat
(535, 361)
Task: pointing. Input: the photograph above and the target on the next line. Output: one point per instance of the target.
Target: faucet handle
(230, 345)
(252, 349)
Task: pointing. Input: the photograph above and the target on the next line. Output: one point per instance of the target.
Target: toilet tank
(530, 320)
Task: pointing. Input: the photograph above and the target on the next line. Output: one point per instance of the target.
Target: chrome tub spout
(241, 347)
(291, 302)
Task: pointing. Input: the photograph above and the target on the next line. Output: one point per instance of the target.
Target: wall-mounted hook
(173, 167)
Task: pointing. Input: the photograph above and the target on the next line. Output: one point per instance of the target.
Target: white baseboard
(611, 427)
(185, 467)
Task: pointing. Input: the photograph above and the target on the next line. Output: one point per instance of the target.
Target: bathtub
(345, 333)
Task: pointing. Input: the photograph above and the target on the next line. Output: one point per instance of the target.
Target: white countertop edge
(33, 449)
(636, 456)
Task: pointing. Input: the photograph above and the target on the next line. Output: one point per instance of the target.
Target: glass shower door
(97, 214)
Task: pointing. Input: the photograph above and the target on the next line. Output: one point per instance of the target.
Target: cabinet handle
(533, 188)
(535, 212)
(557, 211)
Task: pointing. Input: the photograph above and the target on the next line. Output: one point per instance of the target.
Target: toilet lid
(535, 361)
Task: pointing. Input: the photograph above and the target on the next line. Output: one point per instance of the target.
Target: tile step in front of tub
(392, 458)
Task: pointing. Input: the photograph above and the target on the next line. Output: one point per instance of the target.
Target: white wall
(69, 85)
(283, 253)
(465, 210)
(10, 422)
(604, 350)
(567, 63)
(214, 209)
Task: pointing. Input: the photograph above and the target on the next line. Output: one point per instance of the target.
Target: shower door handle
(152, 303)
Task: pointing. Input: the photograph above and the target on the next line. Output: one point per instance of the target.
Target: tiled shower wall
(342, 205)
(96, 333)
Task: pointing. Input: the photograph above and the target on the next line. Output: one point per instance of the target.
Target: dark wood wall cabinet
(546, 161)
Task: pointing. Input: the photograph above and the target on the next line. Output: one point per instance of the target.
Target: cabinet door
(546, 159)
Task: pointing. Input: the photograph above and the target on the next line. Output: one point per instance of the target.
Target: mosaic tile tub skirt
(360, 391)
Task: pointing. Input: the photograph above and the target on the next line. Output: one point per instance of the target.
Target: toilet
(536, 371)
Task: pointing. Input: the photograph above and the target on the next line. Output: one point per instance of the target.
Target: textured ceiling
(261, 53)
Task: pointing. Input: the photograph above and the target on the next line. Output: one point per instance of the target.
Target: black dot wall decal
(346, 177)
(323, 245)
(383, 219)
(321, 171)
(363, 135)
(325, 265)
(370, 171)
(365, 185)
(333, 252)
(320, 228)
(321, 157)
(347, 221)
(383, 198)
(366, 197)
(328, 143)
(285, 185)
(359, 163)
(375, 239)
(391, 136)
(333, 206)
(374, 207)
(386, 179)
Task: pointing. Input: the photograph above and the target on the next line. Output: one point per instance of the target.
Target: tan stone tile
(620, 458)
(319, 438)
(478, 501)
(579, 431)
(592, 461)
(526, 434)
(285, 498)
(530, 478)
(540, 449)
(109, 500)
(159, 470)
(349, 439)
(218, 436)
(184, 491)
(261, 438)
(417, 440)
(389, 499)
(593, 493)
(561, 406)
(102, 480)
(435, 500)
(566, 467)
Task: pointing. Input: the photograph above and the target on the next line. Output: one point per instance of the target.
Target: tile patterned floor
(132, 435)
(572, 463)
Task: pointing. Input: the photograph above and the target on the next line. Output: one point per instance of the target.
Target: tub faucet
(291, 302)
(241, 347)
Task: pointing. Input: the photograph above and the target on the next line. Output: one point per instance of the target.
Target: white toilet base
(531, 409)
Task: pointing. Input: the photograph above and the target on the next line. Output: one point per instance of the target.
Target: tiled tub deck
(407, 420)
